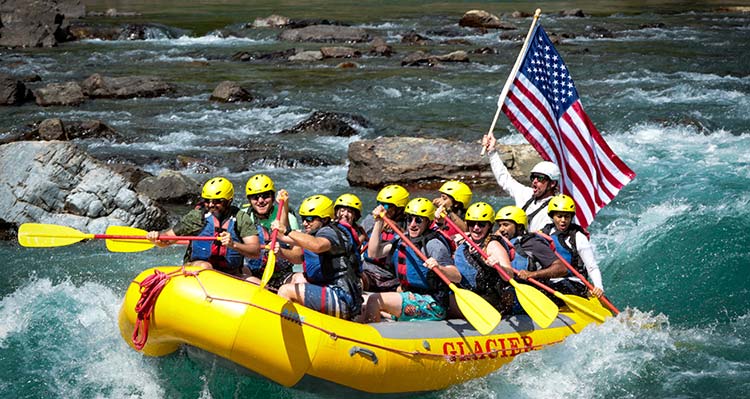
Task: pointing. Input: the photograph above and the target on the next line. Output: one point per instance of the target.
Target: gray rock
(340, 52)
(36, 23)
(329, 124)
(483, 19)
(378, 46)
(229, 92)
(169, 187)
(56, 182)
(68, 93)
(313, 55)
(409, 160)
(98, 86)
(13, 91)
(325, 33)
(419, 58)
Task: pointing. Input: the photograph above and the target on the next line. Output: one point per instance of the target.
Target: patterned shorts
(420, 307)
(326, 300)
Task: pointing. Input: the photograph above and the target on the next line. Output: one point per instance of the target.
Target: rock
(169, 187)
(411, 160)
(35, 23)
(98, 86)
(313, 55)
(415, 38)
(520, 14)
(56, 129)
(576, 12)
(52, 129)
(378, 46)
(56, 182)
(325, 33)
(81, 30)
(339, 52)
(282, 55)
(484, 20)
(229, 92)
(131, 173)
(68, 93)
(329, 124)
(272, 21)
(420, 58)
(8, 231)
(13, 91)
(347, 65)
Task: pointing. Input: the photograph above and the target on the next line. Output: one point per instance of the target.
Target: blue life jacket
(412, 275)
(520, 261)
(565, 245)
(212, 251)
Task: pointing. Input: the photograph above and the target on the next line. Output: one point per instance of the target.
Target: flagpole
(513, 73)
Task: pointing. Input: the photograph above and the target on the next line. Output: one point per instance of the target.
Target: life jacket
(338, 267)
(408, 265)
(385, 236)
(448, 232)
(565, 245)
(212, 251)
(530, 216)
(257, 265)
(482, 277)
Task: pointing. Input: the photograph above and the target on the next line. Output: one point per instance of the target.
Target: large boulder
(13, 91)
(325, 33)
(411, 160)
(98, 86)
(56, 182)
(483, 19)
(170, 187)
(230, 92)
(329, 124)
(36, 23)
(68, 93)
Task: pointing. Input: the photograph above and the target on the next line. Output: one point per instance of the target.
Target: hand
(153, 236)
(492, 261)
(226, 240)
(278, 226)
(523, 274)
(430, 263)
(597, 292)
(282, 195)
(377, 212)
(440, 213)
(488, 142)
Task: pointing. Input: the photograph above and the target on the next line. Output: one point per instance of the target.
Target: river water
(669, 92)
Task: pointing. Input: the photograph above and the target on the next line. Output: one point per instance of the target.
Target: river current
(668, 89)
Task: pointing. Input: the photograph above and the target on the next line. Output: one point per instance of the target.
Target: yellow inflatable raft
(285, 342)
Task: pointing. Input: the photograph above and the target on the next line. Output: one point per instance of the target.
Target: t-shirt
(538, 248)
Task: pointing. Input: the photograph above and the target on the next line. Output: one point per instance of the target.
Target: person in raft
(215, 216)
(376, 275)
(454, 199)
(262, 210)
(572, 242)
(478, 274)
(423, 296)
(331, 278)
(347, 210)
(533, 200)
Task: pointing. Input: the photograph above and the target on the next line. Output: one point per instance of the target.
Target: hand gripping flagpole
(513, 73)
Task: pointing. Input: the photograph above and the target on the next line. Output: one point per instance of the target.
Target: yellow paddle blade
(38, 235)
(268, 272)
(538, 306)
(129, 244)
(581, 306)
(596, 306)
(478, 312)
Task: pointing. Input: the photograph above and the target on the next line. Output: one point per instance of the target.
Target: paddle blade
(582, 306)
(478, 312)
(268, 272)
(127, 245)
(38, 235)
(538, 306)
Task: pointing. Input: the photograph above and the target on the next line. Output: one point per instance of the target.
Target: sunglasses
(481, 224)
(214, 201)
(309, 219)
(415, 219)
(384, 205)
(539, 178)
(266, 195)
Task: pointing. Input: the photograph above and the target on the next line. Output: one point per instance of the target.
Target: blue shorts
(420, 307)
(327, 300)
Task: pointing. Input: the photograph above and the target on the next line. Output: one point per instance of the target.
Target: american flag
(543, 104)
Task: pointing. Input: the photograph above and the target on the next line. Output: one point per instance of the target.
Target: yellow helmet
(258, 184)
(393, 194)
(512, 213)
(218, 188)
(421, 207)
(350, 200)
(317, 205)
(459, 191)
(561, 203)
(480, 212)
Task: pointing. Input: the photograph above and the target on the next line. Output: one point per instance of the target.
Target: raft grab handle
(364, 352)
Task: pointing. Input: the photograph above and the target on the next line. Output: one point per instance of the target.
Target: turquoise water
(671, 101)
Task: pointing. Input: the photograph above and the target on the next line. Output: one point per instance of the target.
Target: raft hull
(286, 342)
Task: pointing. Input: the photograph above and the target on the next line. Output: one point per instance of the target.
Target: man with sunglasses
(331, 281)
(262, 198)
(376, 276)
(478, 274)
(423, 295)
(533, 200)
(236, 235)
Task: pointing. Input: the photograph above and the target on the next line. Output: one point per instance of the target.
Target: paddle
(478, 312)
(38, 235)
(577, 274)
(537, 305)
(271, 261)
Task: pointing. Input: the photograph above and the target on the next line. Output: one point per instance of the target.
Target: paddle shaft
(577, 274)
(414, 248)
(496, 266)
(275, 232)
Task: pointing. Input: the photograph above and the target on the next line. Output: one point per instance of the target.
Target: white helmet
(548, 169)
